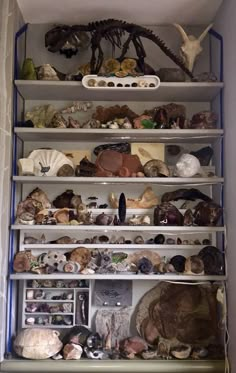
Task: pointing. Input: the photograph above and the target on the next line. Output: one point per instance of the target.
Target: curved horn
(204, 33)
(182, 32)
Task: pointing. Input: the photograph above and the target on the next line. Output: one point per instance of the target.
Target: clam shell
(49, 158)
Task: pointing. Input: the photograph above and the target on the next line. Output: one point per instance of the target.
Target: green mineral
(28, 71)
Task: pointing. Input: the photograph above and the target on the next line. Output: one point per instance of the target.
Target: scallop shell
(49, 158)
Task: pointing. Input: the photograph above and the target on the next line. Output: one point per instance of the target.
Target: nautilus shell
(156, 168)
(49, 162)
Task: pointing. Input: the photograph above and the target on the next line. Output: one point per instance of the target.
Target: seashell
(156, 168)
(128, 64)
(62, 216)
(111, 65)
(187, 166)
(144, 265)
(213, 260)
(139, 240)
(127, 125)
(37, 343)
(30, 321)
(92, 82)
(92, 123)
(178, 262)
(194, 265)
(103, 219)
(142, 83)
(159, 239)
(181, 352)
(49, 161)
(25, 167)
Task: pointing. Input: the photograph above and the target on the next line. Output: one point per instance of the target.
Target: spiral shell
(156, 168)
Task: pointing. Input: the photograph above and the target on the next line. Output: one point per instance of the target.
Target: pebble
(170, 241)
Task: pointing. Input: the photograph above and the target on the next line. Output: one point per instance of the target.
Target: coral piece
(133, 346)
(147, 200)
(194, 265)
(204, 120)
(72, 351)
(187, 166)
(40, 196)
(167, 214)
(47, 72)
(28, 71)
(213, 260)
(81, 255)
(37, 343)
(64, 199)
(41, 116)
(156, 168)
(105, 115)
(207, 213)
(86, 168)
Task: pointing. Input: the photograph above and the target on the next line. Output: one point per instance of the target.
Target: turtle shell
(213, 260)
(37, 343)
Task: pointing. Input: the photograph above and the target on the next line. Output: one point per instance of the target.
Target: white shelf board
(47, 301)
(152, 12)
(113, 246)
(118, 180)
(125, 276)
(103, 135)
(74, 91)
(118, 228)
(115, 366)
(48, 313)
(48, 326)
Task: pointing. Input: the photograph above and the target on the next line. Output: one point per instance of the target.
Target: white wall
(226, 25)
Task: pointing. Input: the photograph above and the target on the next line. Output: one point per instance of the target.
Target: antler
(182, 32)
(204, 33)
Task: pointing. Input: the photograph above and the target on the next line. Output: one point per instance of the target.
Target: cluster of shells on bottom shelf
(86, 261)
(190, 327)
(37, 209)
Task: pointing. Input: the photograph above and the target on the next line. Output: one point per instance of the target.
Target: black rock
(159, 239)
(204, 155)
(178, 262)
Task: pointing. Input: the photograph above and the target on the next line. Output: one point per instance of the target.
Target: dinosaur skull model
(191, 47)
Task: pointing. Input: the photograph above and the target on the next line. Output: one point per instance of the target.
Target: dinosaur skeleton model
(68, 39)
(191, 46)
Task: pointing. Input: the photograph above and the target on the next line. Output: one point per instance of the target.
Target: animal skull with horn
(191, 47)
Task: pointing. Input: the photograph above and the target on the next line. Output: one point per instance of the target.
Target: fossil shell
(187, 166)
(37, 343)
(156, 168)
(49, 161)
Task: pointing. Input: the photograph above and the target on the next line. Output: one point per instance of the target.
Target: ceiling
(148, 12)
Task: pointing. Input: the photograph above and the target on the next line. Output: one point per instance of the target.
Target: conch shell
(147, 200)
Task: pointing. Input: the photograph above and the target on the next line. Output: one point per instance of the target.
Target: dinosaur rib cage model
(68, 39)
